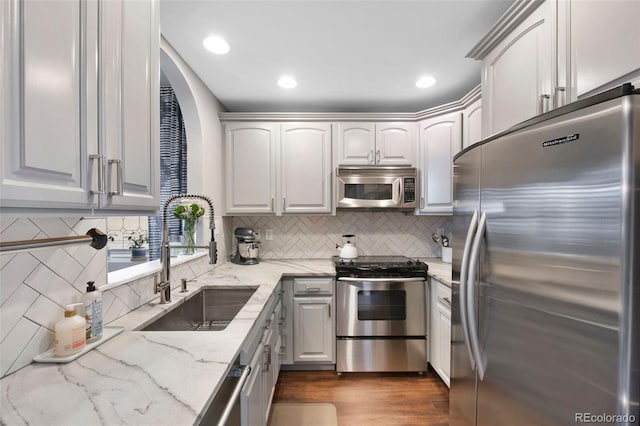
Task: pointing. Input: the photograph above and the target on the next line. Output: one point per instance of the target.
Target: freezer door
(466, 181)
(549, 293)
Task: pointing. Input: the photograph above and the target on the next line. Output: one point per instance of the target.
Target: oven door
(370, 191)
(380, 307)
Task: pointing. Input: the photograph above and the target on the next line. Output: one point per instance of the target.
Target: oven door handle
(393, 280)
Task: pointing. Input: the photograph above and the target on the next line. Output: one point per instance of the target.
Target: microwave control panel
(409, 190)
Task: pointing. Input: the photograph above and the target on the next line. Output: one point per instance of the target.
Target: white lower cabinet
(261, 352)
(308, 334)
(440, 329)
(314, 334)
(251, 398)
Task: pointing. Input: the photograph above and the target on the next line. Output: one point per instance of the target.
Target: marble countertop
(153, 377)
(147, 377)
(439, 269)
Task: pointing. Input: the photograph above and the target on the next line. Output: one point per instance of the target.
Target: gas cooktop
(380, 267)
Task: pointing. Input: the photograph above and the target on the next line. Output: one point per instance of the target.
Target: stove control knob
(351, 262)
(409, 262)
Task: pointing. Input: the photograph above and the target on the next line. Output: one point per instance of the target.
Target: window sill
(125, 276)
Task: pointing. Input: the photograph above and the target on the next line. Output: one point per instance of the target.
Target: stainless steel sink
(211, 309)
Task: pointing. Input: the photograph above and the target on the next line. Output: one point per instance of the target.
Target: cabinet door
(251, 397)
(434, 336)
(314, 332)
(517, 73)
(306, 167)
(251, 167)
(130, 89)
(395, 144)
(601, 59)
(440, 139)
(287, 322)
(444, 341)
(48, 125)
(472, 124)
(356, 143)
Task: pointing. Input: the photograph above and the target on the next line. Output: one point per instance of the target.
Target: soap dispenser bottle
(70, 332)
(92, 301)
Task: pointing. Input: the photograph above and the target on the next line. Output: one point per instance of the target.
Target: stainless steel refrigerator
(545, 314)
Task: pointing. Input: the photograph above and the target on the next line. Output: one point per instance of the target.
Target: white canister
(446, 254)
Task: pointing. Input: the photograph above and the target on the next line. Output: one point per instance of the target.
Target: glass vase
(189, 238)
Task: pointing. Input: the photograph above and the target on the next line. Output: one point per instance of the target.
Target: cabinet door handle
(377, 156)
(329, 311)
(542, 101)
(272, 201)
(267, 363)
(100, 173)
(446, 299)
(422, 202)
(559, 97)
(119, 177)
(284, 204)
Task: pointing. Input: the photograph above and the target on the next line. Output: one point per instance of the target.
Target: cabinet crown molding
(517, 13)
(473, 95)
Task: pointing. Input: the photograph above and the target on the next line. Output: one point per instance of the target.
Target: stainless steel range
(380, 314)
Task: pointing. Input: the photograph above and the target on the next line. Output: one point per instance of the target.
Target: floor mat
(303, 414)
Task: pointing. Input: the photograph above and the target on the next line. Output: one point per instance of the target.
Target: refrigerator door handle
(464, 269)
(471, 297)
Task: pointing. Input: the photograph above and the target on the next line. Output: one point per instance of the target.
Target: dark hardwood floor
(370, 399)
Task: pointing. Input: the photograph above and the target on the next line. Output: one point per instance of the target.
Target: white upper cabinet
(49, 103)
(516, 74)
(559, 51)
(472, 124)
(356, 143)
(604, 44)
(306, 167)
(251, 150)
(440, 140)
(79, 109)
(278, 168)
(130, 91)
(376, 143)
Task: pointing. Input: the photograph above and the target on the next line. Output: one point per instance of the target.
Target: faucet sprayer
(164, 286)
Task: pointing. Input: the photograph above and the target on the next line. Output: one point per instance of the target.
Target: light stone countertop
(153, 377)
(439, 269)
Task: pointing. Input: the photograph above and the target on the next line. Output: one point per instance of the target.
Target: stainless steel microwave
(377, 187)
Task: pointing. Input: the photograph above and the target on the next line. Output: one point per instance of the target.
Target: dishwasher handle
(234, 396)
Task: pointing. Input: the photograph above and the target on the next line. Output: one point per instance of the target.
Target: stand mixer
(246, 247)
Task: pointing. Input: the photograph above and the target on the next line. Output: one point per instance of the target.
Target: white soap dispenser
(70, 332)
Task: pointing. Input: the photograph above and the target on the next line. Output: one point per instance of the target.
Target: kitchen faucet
(164, 286)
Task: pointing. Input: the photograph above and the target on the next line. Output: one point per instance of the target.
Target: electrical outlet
(268, 234)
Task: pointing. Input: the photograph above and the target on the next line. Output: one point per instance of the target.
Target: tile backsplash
(35, 286)
(377, 233)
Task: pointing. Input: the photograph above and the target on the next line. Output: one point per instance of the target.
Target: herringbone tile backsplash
(377, 233)
(35, 286)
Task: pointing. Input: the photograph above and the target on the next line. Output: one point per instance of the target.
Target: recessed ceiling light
(425, 81)
(287, 82)
(216, 44)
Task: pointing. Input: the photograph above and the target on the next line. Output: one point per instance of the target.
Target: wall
(377, 233)
(205, 155)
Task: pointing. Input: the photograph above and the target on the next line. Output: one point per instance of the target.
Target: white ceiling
(347, 55)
